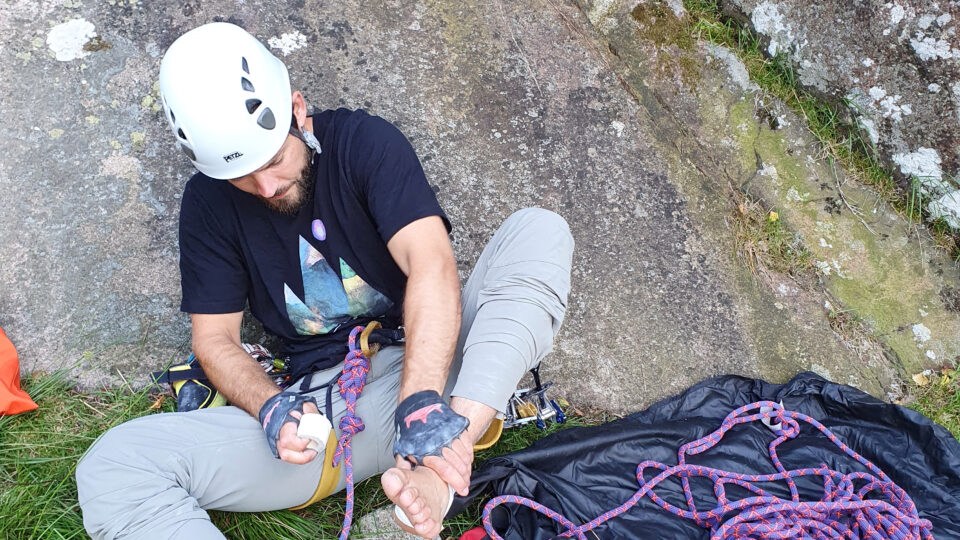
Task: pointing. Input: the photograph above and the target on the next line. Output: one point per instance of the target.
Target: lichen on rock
(889, 61)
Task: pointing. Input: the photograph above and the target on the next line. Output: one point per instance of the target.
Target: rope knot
(351, 425)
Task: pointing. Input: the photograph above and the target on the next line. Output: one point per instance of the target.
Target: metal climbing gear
(855, 505)
(193, 390)
(531, 405)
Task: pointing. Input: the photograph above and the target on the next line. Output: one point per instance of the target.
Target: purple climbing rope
(351, 381)
(843, 512)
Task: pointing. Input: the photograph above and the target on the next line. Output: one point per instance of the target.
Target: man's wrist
(407, 390)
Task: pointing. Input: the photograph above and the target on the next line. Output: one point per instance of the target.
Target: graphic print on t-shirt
(329, 301)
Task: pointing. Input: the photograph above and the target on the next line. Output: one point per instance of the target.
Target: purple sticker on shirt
(319, 231)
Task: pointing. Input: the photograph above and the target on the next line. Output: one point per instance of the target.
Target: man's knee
(93, 472)
(540, 221)
(542, 233)
(113, 478)
(103, 471)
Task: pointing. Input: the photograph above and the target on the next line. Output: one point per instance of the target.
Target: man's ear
(299, 109)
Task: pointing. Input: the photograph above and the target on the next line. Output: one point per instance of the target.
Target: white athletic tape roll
(315, 427)
(402, 517)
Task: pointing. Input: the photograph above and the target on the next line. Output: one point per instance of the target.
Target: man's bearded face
(284, 183)
(289, 199)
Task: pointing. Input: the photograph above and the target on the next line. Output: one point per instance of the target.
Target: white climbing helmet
(227, 99)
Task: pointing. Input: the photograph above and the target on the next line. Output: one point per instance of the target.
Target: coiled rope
(843, 512)
(351, 381)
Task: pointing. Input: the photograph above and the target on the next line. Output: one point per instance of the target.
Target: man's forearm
(235, 374)
(431, 314)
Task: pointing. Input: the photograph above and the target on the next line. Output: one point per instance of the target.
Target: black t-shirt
(310, 277)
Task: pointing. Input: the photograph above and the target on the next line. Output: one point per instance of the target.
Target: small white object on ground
(315, 427)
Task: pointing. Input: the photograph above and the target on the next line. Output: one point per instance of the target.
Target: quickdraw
(843, 512)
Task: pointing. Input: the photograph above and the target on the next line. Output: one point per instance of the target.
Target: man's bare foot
(421, 495)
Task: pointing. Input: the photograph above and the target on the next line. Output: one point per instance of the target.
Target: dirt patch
(662, 25)
(97, 44)
(951, 298)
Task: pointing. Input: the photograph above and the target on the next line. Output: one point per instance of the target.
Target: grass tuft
(939, 399)
(765, 244)
(39, 451)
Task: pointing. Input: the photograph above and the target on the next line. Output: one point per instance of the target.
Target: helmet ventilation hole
(180, 134)
(266, 120)
(245, 68)
(186, 150)
(173, 117)
(247, 85)
(252, 105)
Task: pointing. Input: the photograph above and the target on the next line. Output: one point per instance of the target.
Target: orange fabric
(13, 400)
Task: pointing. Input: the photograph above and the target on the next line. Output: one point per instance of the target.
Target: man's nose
(266, 183)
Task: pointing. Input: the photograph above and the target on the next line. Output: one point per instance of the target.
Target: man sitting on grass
(320, 224)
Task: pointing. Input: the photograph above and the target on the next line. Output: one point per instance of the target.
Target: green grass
(831, 122)
(39, 451)
(939, 399)
(763, 243)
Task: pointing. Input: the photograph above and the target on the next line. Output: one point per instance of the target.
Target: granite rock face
(898, 66)
(639, 139)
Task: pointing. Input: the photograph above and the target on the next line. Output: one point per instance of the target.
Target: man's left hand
(455, 465)
(431, 434)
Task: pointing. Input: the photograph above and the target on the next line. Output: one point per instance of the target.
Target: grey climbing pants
(155, 477)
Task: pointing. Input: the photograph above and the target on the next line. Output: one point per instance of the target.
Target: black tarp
(583, 472)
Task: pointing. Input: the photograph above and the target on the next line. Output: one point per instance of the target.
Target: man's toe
(427, 528)
(392, 482)
(414, 509)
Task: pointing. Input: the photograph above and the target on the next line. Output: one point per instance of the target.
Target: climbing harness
(356, 365)
(305, 366)
(844, 511)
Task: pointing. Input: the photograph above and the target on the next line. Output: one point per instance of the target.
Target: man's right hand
(279, 417)
(291, 448)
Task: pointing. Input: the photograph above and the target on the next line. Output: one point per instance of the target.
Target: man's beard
(302, 189)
